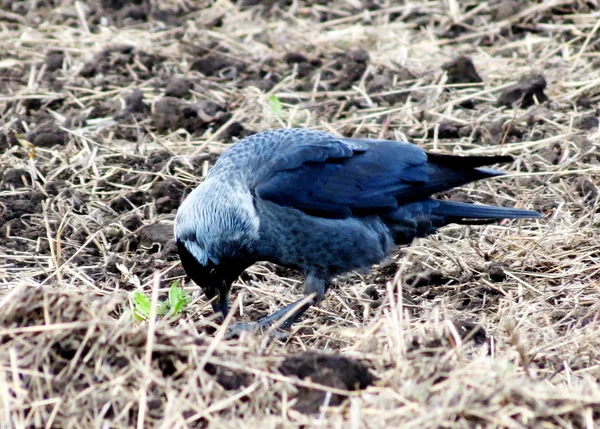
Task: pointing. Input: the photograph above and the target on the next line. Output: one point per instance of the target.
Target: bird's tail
(467, 212)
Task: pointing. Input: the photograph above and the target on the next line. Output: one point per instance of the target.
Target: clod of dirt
(333, 371)
(114, 56)
(132, 222)
(384, 80)
(295, 58)
(525, 93)
(505, 8)
(461, 71)
(16, 177)
(113, 61)
(446, 130)
(496, 271)
(304, 66)
(178, 88)
(167, 194)
(134, 13)
(588, 122)
(47, 134)
(112, 5)
(228, 379)
(74, 119)
(22, 207)
(128, 202)
(457, 29)
(172, 113)
(54, 187)
(587, 190)
(13, 207)
(156, 160)
(552, 153)
(584, 103)
(209, 65)
(170, 253)
(54, 60)
(422, 281)
(372, 293)
(235, 130)
(358, 56)
(88, 70)
(134, 102)
(214, 60)
(426, 278)
(470, 331)
(429, 347)
(113, 234)
(155, 234)
(538, 114)
(8, 140)
(353, 66)
(496, 132)
(104, 109)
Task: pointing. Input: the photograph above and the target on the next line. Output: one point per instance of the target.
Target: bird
(320, 204)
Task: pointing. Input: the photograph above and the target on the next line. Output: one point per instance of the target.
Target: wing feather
(336, 178)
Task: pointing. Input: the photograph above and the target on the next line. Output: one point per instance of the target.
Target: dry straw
(73, 243)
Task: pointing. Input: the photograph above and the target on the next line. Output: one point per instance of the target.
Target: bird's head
(216, 232)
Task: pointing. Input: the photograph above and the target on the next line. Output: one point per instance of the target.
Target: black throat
(212, 278)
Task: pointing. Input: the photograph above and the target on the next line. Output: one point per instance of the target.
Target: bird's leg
(313, 287)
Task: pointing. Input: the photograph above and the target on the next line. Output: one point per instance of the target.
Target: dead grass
(94, 162)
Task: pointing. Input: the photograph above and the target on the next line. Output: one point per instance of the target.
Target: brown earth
(111, 112)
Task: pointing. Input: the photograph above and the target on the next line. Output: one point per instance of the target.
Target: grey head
(216, 229)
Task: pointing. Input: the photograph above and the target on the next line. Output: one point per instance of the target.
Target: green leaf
(141, 306)
(178, 298)
(275, 104)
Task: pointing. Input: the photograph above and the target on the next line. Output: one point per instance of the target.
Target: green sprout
(275, 104)
(177, 301)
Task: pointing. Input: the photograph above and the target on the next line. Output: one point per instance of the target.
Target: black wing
(342, 177)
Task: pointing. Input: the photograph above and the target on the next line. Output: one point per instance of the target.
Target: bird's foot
(283, 318)
(253, 327)
(236, 330)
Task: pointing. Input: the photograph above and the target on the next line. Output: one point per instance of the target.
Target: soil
(112, 112)
(333, 371)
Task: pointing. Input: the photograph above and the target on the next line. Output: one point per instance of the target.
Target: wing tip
(480, 211)
(469, 161)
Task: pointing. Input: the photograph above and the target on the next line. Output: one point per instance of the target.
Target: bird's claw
(253, 327)
(236, 330)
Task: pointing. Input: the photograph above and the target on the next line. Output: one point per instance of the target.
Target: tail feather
(450, 171)
(443, 177)
(458, 210)
(490, 172)
(467, 162)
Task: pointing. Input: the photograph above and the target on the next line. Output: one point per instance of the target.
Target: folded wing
(337, 178)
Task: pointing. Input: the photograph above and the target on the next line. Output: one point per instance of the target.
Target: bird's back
(259, 156)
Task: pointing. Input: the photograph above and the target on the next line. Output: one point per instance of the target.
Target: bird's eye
(213, 272)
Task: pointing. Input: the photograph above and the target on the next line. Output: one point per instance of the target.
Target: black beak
(222, 304)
